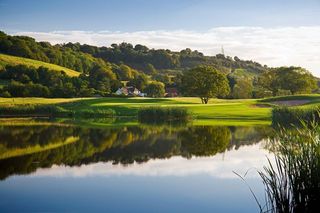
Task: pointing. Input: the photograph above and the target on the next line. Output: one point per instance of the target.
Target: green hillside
(14, 60)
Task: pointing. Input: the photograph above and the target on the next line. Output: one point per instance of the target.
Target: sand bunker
(291, 102)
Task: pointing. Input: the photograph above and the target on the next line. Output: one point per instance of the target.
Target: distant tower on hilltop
(222, 50)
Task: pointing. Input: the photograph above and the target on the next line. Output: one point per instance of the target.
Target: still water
(62, 167)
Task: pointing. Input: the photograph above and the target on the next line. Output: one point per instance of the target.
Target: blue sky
(272, 32)
(136, 15)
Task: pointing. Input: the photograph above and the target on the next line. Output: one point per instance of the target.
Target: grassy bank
(52, 111)
(217, 109)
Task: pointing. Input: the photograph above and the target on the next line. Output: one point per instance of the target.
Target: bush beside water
(286, 116)
(52, 111)
(163, 114)
(94, 113)
(34, 110)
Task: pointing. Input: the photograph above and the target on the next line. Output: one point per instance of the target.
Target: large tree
(205, 82)
(295, 79)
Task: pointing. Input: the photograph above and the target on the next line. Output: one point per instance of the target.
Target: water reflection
(26, 148)
(221, 165)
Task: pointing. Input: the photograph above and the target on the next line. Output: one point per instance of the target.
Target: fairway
(243, 110)
(218, 111)
(14, 60)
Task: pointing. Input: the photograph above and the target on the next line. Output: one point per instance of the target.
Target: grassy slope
(13, 60)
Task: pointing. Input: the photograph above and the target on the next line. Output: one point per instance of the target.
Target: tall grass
(163, 114)
(94, 113)
(53, 111)
(286, 116)
(292, 184)
(34, 110)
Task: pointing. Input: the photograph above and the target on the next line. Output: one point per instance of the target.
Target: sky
(273, 32)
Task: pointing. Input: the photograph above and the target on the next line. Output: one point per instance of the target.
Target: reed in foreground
(292, 184)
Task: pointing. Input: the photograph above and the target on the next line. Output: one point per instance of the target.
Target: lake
(65, 166)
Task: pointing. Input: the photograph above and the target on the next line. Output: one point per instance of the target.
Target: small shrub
(95, 113)
(162, 114)
(261, 93)
(286, 116)
(283, 92)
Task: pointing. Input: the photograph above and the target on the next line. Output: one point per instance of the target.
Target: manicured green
(14, 60)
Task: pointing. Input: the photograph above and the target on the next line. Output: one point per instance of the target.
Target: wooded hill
(28, 66)
(83, 57)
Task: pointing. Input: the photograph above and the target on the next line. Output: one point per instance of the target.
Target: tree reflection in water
(23, 149)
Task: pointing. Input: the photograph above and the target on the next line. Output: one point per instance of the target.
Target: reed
(53, 111)
(292, 183)
(34, 110)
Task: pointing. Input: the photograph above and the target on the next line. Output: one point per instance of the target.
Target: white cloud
(246, 158)
(281, 46)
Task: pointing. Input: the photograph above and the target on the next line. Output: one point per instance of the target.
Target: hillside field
(14, 60)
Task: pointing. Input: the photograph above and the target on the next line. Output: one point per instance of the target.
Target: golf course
(217, 111)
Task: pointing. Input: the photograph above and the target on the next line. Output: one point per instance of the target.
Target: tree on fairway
(205, 82)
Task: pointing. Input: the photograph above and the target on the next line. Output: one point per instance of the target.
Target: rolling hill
(14, 60)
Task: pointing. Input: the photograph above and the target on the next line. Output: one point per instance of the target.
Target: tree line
(105, 69)
(206, 82)
(123, 145)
